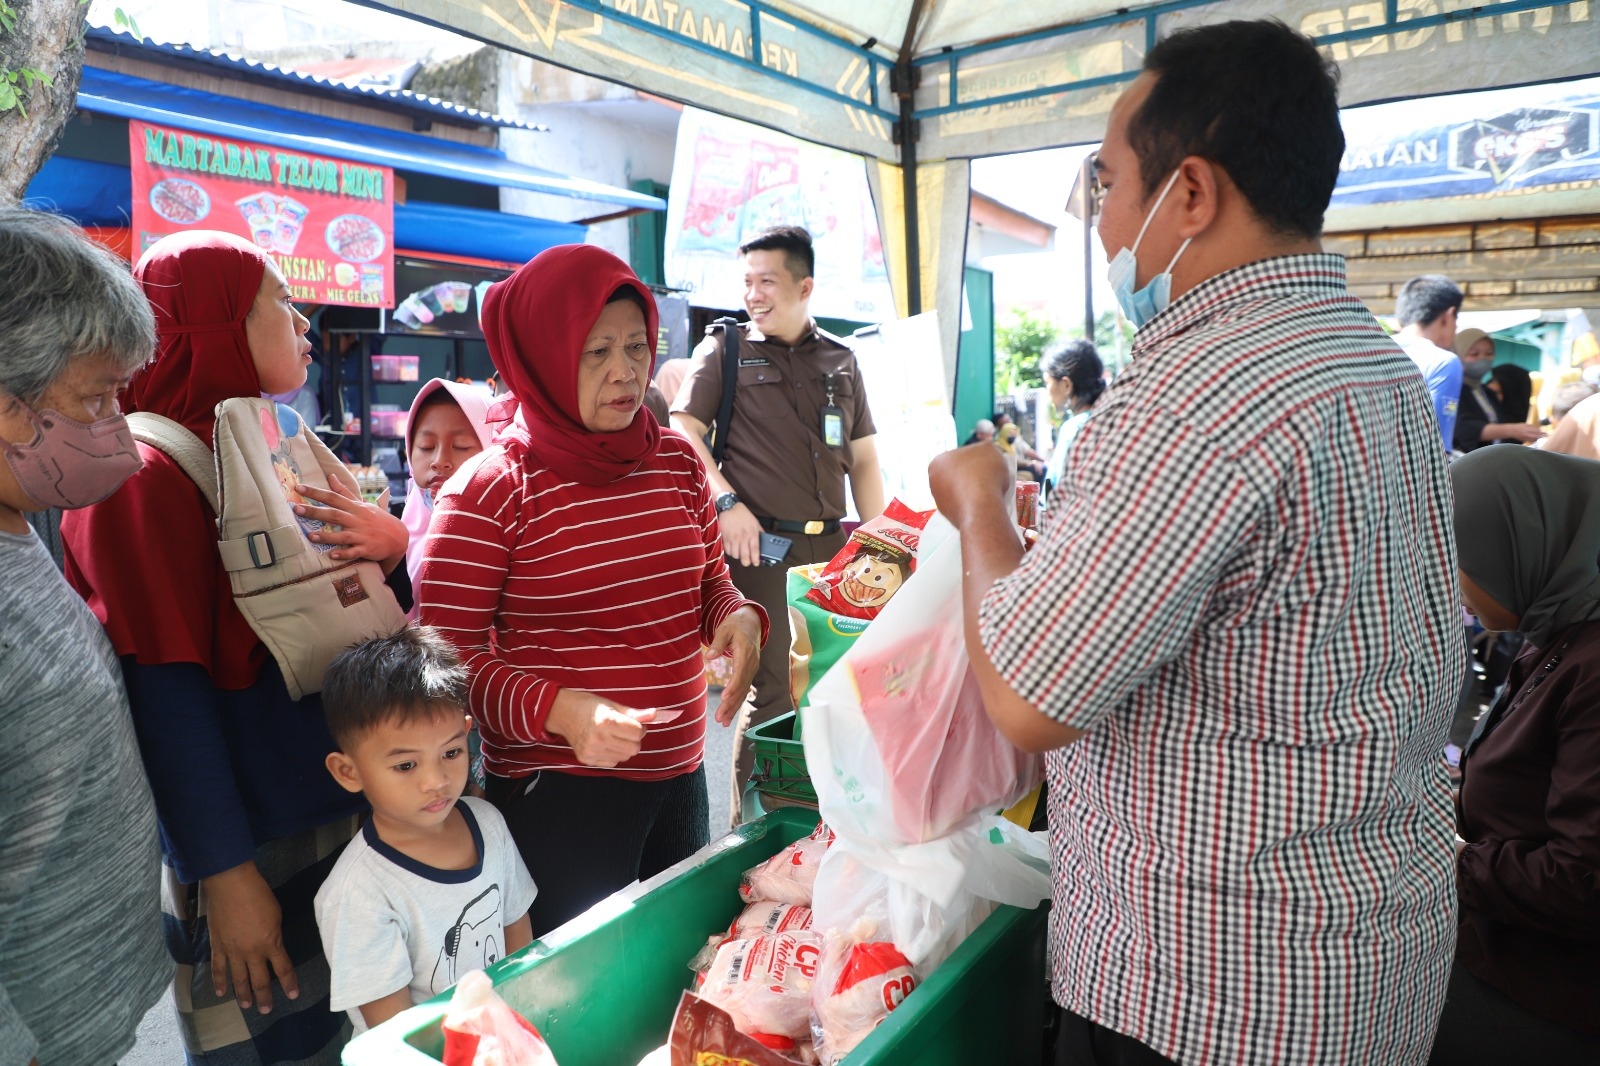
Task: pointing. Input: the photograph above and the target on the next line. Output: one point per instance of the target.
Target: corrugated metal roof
(403, 100)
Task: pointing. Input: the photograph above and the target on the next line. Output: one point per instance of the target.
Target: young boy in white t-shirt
(432, 887)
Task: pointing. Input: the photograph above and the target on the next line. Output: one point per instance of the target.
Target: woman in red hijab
(577, 565)
(250, 819)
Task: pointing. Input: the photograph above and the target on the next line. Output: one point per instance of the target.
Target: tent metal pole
(1085, 182)
(908, 174)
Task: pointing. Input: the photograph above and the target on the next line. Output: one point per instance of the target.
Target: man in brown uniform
(800, 426)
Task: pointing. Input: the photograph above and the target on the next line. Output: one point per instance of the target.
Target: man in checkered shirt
(1239, 640)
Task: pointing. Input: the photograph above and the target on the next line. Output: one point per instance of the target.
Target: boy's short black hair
(795, 244)
(1257, 99)
(413, 675)
(1424, 298)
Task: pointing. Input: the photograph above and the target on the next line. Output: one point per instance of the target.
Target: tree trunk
(48, 38)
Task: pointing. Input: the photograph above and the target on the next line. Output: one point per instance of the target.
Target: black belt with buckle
(817, 527)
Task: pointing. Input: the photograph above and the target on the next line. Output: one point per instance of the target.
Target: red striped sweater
(546, 584)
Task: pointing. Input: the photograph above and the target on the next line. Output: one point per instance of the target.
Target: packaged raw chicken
(765, 983)
(787, 877)
(480, 1030)
(766, 918)
(859, 981)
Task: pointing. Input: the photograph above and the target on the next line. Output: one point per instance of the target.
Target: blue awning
(101, 194)
(429, 227)
(112, 93)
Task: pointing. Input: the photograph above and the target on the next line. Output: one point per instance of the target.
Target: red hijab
(536, 322)
(134, 555)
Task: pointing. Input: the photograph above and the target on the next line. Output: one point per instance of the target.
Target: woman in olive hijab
(1526, 979)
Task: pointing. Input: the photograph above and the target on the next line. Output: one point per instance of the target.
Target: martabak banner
(328, 223)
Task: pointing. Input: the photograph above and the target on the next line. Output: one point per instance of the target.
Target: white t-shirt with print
(390, 922)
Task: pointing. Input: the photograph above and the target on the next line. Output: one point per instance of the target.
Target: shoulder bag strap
(730, 377)
(180, 445)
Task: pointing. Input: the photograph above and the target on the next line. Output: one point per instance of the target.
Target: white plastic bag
(897, 739)
(909, 771)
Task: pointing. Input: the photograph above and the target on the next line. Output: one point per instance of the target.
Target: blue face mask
(1144, 304)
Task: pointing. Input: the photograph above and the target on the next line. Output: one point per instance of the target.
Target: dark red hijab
(138, 556)
(536, 322)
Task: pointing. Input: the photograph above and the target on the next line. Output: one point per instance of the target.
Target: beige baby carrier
(304, 606)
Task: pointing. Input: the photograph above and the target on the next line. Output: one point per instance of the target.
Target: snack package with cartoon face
(873, 564)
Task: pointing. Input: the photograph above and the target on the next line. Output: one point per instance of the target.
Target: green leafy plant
(1019, 343)
(19, 83)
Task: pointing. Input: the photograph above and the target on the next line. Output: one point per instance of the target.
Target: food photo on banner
(328, 223)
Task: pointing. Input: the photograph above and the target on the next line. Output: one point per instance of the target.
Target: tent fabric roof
(125, 96)
(994, 78)
(320, 82)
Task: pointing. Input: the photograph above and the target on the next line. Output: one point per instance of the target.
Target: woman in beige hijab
(1578, 433)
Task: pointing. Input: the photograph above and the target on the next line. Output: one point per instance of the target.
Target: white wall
(598, 131)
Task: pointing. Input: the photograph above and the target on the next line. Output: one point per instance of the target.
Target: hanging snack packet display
(873, 564)
(818, 637)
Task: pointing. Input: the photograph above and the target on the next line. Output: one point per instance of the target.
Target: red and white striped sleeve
(466, 561)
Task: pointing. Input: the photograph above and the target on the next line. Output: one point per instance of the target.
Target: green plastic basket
(780, 766)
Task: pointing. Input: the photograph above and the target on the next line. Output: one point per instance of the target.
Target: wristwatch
(727, 501)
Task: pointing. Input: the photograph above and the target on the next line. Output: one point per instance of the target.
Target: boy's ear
(468, 717)
(344, 771)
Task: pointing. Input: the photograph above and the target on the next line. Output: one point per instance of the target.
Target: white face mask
(1140, 306)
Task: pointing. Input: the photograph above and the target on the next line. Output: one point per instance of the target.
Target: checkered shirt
(1246, 595)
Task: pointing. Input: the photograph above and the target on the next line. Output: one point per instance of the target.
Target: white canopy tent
(922, 86)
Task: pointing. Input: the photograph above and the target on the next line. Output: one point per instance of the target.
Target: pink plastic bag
(765, 983)
(480, 1030)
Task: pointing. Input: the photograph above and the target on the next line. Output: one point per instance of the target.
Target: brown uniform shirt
(776, 460)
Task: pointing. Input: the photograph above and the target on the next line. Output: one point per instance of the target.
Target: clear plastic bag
(765, 983)
(859, 981)
(481, 1030)
(787, 877)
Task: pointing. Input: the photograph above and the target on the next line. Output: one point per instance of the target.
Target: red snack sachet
(702, 1032)
(873, 564)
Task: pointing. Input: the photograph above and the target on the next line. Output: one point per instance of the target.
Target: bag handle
(730, 374)
(178, 443)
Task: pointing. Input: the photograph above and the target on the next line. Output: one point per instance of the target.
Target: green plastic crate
(780, 766)
(603, 988)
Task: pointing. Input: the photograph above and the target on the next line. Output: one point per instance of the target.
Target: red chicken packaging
(481, 1030)
(765, 983)
(858, 983)
(876, 560)
(787, 877)
(766, 918)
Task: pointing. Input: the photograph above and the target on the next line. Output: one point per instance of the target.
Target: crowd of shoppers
(1239, 640)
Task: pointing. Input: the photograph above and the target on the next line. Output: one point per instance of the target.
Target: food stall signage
(327, 223)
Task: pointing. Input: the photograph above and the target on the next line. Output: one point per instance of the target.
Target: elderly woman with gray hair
(79, 856)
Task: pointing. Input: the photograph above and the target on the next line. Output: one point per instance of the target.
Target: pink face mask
(72, 464)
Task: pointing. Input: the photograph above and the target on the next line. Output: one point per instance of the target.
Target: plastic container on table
(602, 989)
(388, 421)
(395, 367)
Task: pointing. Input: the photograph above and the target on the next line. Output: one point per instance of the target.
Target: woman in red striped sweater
(577, 565)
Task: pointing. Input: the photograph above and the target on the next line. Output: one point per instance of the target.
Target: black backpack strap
(730, 377)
